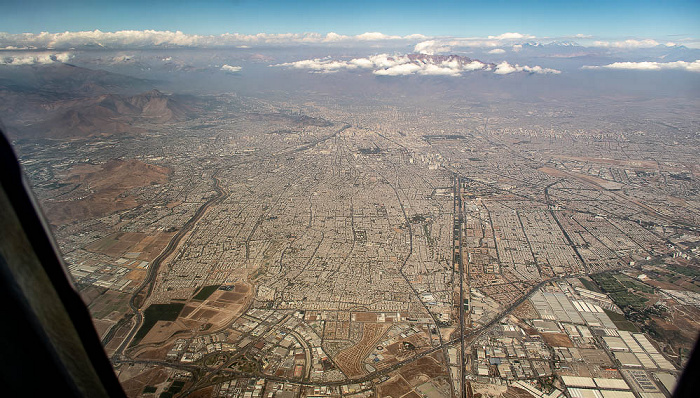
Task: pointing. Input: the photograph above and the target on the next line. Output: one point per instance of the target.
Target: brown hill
(103, 189)
(160, 107)
(106, 115)
(68, 80)
(84, 123)
(118, 105)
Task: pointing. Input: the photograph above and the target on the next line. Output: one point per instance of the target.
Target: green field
(687, 271)
(621, 322)
(641, 287)
(155, 313)
(205, 292)
(174, 388)
(589, 285)
(619, 292)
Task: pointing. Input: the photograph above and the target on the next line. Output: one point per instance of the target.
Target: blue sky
(619, 19)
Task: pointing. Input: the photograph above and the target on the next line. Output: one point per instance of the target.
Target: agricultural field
(155, 313)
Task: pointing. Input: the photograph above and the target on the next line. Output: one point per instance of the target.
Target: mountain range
(66, 101)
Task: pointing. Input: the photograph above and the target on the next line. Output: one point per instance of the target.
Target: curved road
(149, 281)
(221, 194)
(473, 335)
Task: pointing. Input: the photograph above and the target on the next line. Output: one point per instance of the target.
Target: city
(367, 199)
(263, 253)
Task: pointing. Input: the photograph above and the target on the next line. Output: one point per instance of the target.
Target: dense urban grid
(271, 249)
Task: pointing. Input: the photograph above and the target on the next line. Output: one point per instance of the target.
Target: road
(394, 187)
(457, 256)
(464, 339)
(149, 281)
(467, 340)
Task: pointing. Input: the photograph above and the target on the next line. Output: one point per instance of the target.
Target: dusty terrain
(102, 189)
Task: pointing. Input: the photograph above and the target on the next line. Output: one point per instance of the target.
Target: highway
(442, 344)
(149, 281)
(457, 252)
(467, 340)
(464, 339)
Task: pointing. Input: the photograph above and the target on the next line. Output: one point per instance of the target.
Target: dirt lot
(110, 305)
(102, 189)
(557, 339)
(515, 392)
(231, 296)
(425, 368)
(134, 378)
(102, 326)
(187, 311)
(205, 392)
(350, 359)
(216, 310)
(526, 311)
(394, 387)
(162, 331)
(635, 163)
(488, 390)
(134, 245)
(365, 317)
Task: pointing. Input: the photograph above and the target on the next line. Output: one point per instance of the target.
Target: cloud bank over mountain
(510, 52)
(231, 69)
(167, 39)
(413, 64)
(17, 59)
(423, 44)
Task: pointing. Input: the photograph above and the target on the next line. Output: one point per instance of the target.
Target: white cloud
(16, 48)
(35, 58)
(122, 58)
(416, 36)
(362, 63)
(398, 70)
(497, 51)
(374, 36)
(539, 70)
(63, 57)
(386, 61)
(232, 69)
(332, 36)
(327, 65)
(630, 43)
(475, 65)
(652, 66)
(403, 65)
(511, 36)
(141, 39)
(153, 38)
(435, 70)
(504, 68)
(445, 45)
(431, 47)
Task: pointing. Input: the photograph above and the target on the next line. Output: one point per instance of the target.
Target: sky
(625, 35)
(661, 20)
